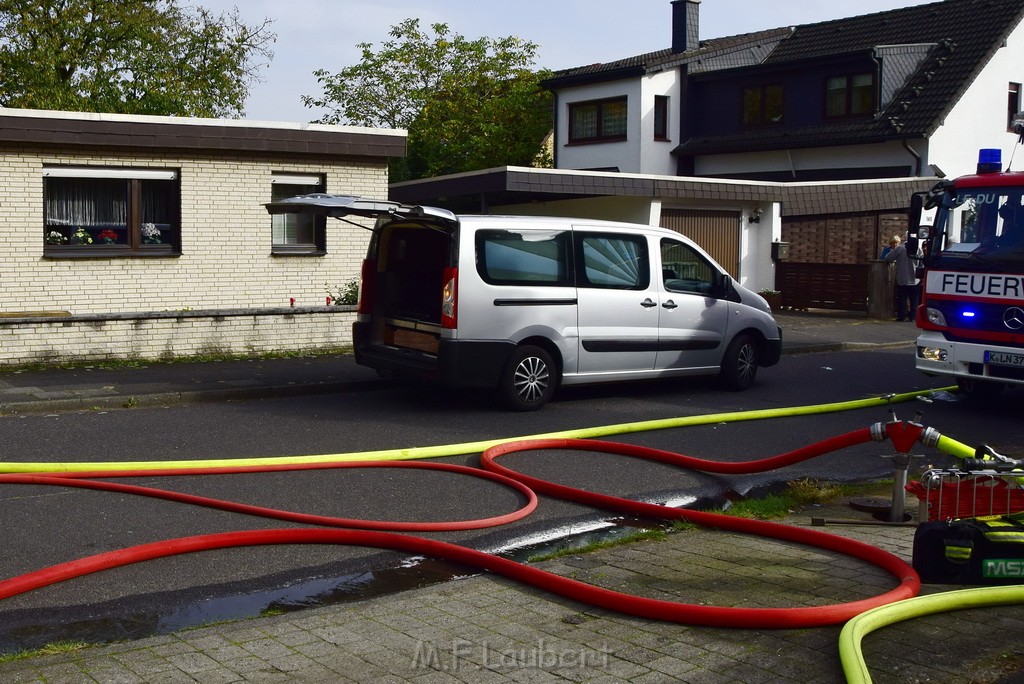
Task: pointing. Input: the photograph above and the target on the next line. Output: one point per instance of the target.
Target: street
(49, 525)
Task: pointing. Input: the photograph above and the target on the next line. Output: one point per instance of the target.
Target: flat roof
(476, 191)
(46, 127)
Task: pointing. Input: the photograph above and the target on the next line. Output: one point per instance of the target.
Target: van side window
(618, 262)
(684, 270)
(535, 257)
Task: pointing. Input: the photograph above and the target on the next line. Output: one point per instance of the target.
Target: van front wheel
(739, 364)
(528, 379)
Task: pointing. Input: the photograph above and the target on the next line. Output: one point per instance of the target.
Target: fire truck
(971, 314)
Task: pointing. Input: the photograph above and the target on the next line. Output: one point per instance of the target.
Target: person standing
(907, 291)
(893, 241)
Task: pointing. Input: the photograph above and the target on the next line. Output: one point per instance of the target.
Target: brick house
(146, 236)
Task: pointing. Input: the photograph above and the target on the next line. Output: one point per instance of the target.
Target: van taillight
(364, 305)
(449, 299)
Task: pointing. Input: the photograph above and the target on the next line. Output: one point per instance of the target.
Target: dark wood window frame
(848, 90)
(763, 116)
(80, 221)
(602, 112)
(661, 114)
(1013, 104)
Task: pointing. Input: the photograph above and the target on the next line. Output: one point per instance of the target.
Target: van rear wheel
(528, 380)
(739, 364)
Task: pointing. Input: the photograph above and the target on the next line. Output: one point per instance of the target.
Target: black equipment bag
(983, 550)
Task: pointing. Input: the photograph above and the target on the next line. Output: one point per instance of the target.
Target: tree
(467, 104)
(128, 56)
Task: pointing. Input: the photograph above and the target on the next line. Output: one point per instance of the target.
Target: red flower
(108, 236)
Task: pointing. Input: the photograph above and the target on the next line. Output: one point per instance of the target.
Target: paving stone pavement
(486, 628)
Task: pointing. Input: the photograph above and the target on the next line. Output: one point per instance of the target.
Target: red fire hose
(908, 581)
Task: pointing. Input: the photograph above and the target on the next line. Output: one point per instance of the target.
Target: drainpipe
(918, 168)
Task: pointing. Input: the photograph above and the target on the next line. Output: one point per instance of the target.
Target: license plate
(1004, 359)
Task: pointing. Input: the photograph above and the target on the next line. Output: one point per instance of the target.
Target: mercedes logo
(1013, 318)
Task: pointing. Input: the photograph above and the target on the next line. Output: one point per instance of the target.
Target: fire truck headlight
(935, 316)
(932, 353)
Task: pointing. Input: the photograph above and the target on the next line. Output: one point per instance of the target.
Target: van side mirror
(721, 286)
(916, 209)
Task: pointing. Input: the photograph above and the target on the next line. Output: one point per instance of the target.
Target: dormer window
(762, 105)
(597, 120)
(851, 95)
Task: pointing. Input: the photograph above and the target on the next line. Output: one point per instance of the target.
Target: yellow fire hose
(854, 667)
(476, 447)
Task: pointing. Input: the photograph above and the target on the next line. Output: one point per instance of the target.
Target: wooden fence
(823, 286)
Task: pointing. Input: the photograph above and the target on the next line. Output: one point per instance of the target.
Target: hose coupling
(930, 437)
(878, 432)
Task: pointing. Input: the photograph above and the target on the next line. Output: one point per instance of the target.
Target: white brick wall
(168, 336)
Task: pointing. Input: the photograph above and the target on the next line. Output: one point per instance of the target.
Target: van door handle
(670, 305)
(648, 303)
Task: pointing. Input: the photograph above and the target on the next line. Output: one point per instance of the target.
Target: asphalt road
(48, 525)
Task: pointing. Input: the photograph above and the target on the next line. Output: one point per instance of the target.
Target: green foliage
(797, 495)
(56, 648)
(128, 56)
(467, 104)
(345, 294)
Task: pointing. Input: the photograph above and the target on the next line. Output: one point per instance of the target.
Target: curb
(154, 399)
(86, 402)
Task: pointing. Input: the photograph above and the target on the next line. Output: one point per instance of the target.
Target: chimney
(685, 24)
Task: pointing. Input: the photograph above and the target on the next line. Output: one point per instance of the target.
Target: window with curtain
(614, 261)
(297, 233)
(95, 211)
(598, 120)
(508, 257)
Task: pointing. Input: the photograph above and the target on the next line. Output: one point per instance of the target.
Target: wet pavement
(486, 628)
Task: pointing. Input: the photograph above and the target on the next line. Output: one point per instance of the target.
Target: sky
(315, 34)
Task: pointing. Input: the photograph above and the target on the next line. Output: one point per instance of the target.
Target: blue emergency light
(990, 160)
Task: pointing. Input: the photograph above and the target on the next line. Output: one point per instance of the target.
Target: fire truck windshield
(986, 221)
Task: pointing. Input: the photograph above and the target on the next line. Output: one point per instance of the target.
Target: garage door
(717, 232)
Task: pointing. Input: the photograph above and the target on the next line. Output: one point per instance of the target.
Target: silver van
(524, 304)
